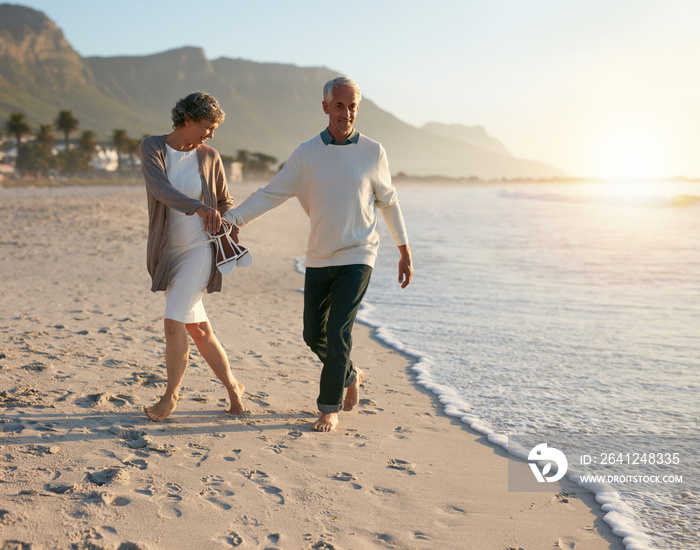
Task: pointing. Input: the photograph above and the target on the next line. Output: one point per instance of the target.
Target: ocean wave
(651, 201)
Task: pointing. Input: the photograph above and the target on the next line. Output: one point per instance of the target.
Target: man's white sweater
(340, 189)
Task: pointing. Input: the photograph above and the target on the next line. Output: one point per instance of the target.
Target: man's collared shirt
(328, 139)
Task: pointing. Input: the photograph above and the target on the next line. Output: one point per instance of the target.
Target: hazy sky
(606, 88)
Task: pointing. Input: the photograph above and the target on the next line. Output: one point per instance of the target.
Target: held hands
(212, 219)
(405, 266)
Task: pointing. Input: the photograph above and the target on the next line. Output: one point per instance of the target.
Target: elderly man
(341, 178)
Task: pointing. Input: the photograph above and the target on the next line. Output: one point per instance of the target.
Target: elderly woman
(186, 177)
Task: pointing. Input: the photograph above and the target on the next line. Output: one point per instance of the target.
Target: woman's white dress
(189, 251)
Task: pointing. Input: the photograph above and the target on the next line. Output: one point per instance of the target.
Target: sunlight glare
(634, 191)
(632, 152)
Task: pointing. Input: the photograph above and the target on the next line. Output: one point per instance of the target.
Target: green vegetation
(66, 123)
(18, 126)
(37, 157)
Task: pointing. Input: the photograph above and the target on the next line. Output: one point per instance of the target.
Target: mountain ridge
(270, 107)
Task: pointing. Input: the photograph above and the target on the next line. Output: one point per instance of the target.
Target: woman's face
(198, 131)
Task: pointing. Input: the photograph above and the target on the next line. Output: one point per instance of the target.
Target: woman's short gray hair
(340, 81)
(197, 106)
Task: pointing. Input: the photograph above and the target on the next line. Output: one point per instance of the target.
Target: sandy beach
(81, 353)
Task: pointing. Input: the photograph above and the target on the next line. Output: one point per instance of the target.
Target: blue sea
(560, 310)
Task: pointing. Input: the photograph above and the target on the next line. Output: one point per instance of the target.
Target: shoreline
(135, 179)
(82, 353)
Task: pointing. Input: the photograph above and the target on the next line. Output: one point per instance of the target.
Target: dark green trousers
(332, 298)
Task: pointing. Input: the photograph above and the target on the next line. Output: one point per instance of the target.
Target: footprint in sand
(214, 493)
(258, 398)
(146, 379)
(398, 464)
(107, 476)
(400, 431)
(234, 539)
(136, 439)
(261, 479)
(278, 448)
(61, 488)
(345, 476)
(113, 500)
(452, 509)
(102, 399)
(234, 456)
(386, 539)
(38, 366)
(358, 437)
(200, 454)
(254, 475)
(168, 504)
(136, 463)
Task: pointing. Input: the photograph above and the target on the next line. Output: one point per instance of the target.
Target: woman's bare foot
(161, 410)
(325, 422)
(352, 395)
(236, 396)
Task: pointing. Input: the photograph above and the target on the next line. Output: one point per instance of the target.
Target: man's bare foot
(352, 395)
(325, 422)
(236, 397)
(161, 410)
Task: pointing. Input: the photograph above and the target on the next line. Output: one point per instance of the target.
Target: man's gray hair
(197, 106)
(340, 81)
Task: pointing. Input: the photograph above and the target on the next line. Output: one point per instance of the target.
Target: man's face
(341, 111)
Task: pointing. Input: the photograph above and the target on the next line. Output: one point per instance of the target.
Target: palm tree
(121, 144)
(44, 135)
(88, 141)
(66, 123)
(37, 156)
(18, 127)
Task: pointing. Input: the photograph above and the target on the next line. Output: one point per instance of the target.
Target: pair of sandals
(229, 254)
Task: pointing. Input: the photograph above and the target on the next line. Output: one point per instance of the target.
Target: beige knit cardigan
(161, 195)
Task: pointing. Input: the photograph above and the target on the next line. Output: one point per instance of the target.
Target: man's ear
(325, 107)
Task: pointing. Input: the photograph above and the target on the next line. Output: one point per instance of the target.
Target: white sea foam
(619, 198)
